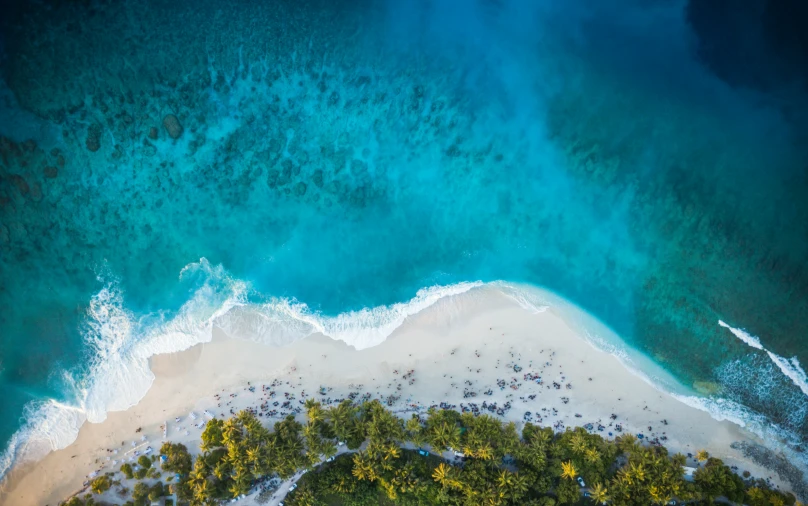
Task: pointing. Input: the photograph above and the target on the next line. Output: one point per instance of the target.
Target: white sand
(475, 338)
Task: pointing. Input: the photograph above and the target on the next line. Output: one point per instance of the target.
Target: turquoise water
(341, 156)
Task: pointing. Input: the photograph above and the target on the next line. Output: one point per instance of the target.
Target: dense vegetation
(499, 467)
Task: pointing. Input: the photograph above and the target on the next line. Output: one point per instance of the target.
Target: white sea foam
(121, 344)
(746, 337)
(119, 374)
(790, 367)
(282, 320)
(529, 300)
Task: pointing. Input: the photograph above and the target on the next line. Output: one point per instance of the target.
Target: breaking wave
(121, 342)
(788, 366)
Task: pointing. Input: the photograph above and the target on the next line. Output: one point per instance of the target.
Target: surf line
(790, 367)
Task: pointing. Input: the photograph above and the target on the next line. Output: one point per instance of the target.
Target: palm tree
(253, 455)
(702, 455)
(592, 455)
(416, 431)
(679, 459)
(578, 443)
(342, 418)
(389, 489)
(442, 474)
(484, 452)
(231, 432)
(624, 477)
(656, 494)
(599, 494)
(568, 470)
(222, 469)
(756, 495)
(201, 491)
(445, 436)
(314, 411)
(363, 467)
(638, 471)
(391, 451)
(519, 487)
(344, 486)
(628, 443)
(504, 479)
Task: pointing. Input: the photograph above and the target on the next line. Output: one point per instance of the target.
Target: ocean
(341, 165)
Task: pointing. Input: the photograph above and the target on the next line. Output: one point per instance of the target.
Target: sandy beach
(479, 352)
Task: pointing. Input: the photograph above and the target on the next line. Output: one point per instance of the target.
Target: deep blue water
(346, 155)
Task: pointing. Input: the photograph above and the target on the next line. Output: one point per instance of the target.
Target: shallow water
(336, 158)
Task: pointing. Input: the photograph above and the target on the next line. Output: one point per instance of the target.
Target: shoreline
(463, 350)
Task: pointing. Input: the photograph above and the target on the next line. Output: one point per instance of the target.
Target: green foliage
(144, 462)
(101, 484)
(140, 494)
(540, 468)
(715, 480)
(567, 492)
(156, 491)
(127, 471)
(212, 435)
(178, 460)
(443, 429)
(141, 473)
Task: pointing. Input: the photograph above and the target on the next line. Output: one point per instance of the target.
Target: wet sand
(481, 353)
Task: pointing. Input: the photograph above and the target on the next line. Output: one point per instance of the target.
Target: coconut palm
(638, 471)
(415, 431)
(599, 494)
(391, 451)
(656, 495)
(577, 443)
(442, 474)
(628, 443)
(624, 477)
(222, 469)
(756, 495)
(344, 486)
(363, 467)
(231, 432)
(592, 455)
(504, 479)
(445, 435)
(314, 411)
(201, 491)
(568, 470)
(342, 418)
(679, 459)
(702, 455)
(484, 452)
